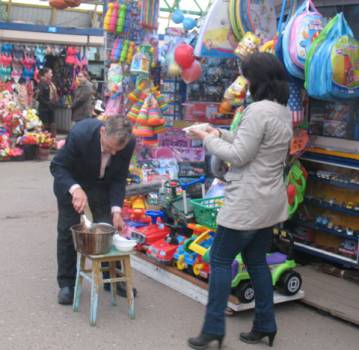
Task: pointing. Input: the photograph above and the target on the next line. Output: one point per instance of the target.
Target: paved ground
(31, 319)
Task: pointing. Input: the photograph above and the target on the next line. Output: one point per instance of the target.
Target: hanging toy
(237, 91)
(108, 16)
(114, 50)
(118, 51)
(248, 45)
(130, 52)
(113, 19)
(149, 14)
(141, 63)
(124, 51)
(121, 19)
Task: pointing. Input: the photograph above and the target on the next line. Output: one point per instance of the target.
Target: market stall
(167, 83)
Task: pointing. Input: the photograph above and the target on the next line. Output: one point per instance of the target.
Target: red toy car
(152, 233)
(164, 250)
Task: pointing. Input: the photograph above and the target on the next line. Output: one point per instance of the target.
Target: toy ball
(189, 23)
(192, 73)
(73, 3)
(174, 70)
(184, 55)
(177, 17)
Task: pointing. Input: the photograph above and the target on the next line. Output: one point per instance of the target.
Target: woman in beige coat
(255, 198)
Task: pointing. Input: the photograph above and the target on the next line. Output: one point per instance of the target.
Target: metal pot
(94, 241)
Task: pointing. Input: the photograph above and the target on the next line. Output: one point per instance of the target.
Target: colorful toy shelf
(330, 212)
(325, 229)
(334, 207)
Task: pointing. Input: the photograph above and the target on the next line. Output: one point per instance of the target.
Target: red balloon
(192, 73)
(184, 55)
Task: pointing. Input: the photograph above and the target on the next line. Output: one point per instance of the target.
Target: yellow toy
(248, 45)
(237, 92)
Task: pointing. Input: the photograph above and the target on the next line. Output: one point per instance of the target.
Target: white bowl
(123, 244)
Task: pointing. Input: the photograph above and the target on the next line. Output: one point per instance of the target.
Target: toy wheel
(180, 263)
(245, 292)
(290, 282)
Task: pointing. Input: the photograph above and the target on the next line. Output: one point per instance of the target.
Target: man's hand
(79, 200)
(118, 222)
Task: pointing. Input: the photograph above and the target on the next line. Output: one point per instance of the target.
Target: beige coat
(82, 105)
(255, 195)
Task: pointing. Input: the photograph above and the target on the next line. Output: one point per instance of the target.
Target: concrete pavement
(31, 319)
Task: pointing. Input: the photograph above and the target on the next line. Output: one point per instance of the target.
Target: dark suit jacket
(79, 161)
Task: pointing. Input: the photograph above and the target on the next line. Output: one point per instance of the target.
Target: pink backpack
(305, 28)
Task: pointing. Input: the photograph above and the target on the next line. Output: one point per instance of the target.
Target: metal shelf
(327, 230)
(333, 207)
(349, 186)
(328, 255)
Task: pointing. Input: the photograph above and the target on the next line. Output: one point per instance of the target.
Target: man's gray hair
(118, 127)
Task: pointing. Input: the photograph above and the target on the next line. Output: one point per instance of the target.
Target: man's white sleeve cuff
(73, 188)
(116, 209)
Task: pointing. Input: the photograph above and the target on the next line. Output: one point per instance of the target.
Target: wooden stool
(94, 276)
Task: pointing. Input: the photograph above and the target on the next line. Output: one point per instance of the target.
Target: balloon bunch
(189, 67)
(188, 22)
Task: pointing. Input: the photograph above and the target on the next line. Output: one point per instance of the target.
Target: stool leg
(78, 284)
(95, 284)
(113, 284)
(129, 287)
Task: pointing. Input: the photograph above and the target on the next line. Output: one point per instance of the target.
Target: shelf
(326, 230)
(333, 207)
(331, 160)
(349, 186)
(328, 255)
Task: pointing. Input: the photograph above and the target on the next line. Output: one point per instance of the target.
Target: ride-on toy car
(284, 278)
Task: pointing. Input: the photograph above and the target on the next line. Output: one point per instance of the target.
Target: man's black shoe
(66, 296)
(121, 289)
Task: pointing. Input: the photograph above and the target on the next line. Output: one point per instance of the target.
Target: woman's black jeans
(253, 245)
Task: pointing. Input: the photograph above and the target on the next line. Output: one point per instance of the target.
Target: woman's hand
(118, 222)
(213, 131)
(198, 134)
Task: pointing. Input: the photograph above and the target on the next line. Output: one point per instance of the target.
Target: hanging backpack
(334, 63)
(301, 30)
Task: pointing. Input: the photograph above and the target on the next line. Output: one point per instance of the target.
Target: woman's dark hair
(44, 71)
(267, 77)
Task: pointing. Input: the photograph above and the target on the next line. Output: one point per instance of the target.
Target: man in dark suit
(92, 168)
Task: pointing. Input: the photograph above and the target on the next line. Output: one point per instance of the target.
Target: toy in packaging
(237, 91)
(247, 46)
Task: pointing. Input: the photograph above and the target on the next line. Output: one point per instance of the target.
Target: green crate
(206, 209)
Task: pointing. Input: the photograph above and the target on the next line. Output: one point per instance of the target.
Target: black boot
(254, 337)
(66, 296)
(204, 340)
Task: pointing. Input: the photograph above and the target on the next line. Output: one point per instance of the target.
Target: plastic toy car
(152, 233)
(284, 278)
(164, 249)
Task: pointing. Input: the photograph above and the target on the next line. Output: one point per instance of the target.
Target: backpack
(302, 29)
